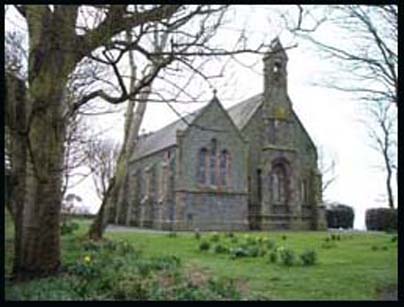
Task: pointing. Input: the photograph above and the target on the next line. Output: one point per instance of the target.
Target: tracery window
(305, 195)
(203, 153)
(224, 167)
(278, 184)
(212, 164)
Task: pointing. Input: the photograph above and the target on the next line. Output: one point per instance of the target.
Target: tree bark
(16, 123)
(38, 216)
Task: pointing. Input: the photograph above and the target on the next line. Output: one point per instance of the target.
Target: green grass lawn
(352, 270)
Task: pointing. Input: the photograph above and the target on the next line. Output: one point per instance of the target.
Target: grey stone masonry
(253, 166)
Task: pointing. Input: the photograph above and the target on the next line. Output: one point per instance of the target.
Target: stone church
(250, 167)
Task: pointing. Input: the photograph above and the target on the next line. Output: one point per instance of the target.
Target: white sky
(330, 117)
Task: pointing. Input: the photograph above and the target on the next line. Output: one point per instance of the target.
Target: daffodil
(87, 259)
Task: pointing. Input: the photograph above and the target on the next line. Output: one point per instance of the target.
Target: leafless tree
(366, 65)
(61, 39)
(366, 53)
(381, 123)
(326, 164)
(101, 159)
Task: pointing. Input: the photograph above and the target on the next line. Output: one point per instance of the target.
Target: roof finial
(214, 92)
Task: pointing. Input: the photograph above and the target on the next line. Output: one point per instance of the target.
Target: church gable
(213, 126)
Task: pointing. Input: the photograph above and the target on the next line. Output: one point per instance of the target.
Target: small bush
(91, 246)
(394, 239)
(309, 257)
(172, 234)
(68, 227)
(288, 257)
(219, 249)
(253, 251)
(284, 237)
(271, 244)
(215, 237)
(262, 251)
(340, 216)
(130, 287)
(204, 246)
(381, 219)
(273, 257)
(238, 252)
(230, 235)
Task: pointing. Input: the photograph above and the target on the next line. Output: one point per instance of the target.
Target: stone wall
(205, 205)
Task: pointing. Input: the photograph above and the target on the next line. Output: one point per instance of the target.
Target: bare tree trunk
(16, 122)
(388, 180)
(37, 220)
(41, 216)
(101, 220)
(116, 191)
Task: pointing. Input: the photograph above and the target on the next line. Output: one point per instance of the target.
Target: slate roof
(166, 136)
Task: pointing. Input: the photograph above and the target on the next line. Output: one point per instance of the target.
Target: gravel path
(119, 228)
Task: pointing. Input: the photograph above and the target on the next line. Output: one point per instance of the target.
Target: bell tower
(277, 108)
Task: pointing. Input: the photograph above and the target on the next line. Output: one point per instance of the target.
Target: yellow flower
(87, 259)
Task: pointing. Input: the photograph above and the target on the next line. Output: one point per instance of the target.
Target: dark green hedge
(340, 216)
(383, 219)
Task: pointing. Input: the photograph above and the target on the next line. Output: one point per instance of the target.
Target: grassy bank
(350, 266)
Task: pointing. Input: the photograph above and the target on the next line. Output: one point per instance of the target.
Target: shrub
(262, 251)
(197, 234)
(130, 287)
(288, 257)
(284, 237)
(394, 239)
(251, 240)
(253, 251)
(234, 240)
(382, 219)
(172, 234)
(68, 227)
(204, 246)
(309, 257)
(215, 237)
(230, 235)
(168, 262)
(273, 257)
(91, 246)
(238, 252)
(271, 244)
(219, 249)
(340, 216)
(224, 288)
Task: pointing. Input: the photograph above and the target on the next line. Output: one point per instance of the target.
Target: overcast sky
(330, 117)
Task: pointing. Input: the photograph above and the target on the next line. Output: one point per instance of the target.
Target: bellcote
(275, 81)
(275, 64)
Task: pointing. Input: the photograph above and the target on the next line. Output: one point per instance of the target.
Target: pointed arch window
(203, 154)
(212, 163)
(278, 184)
(224, 167)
